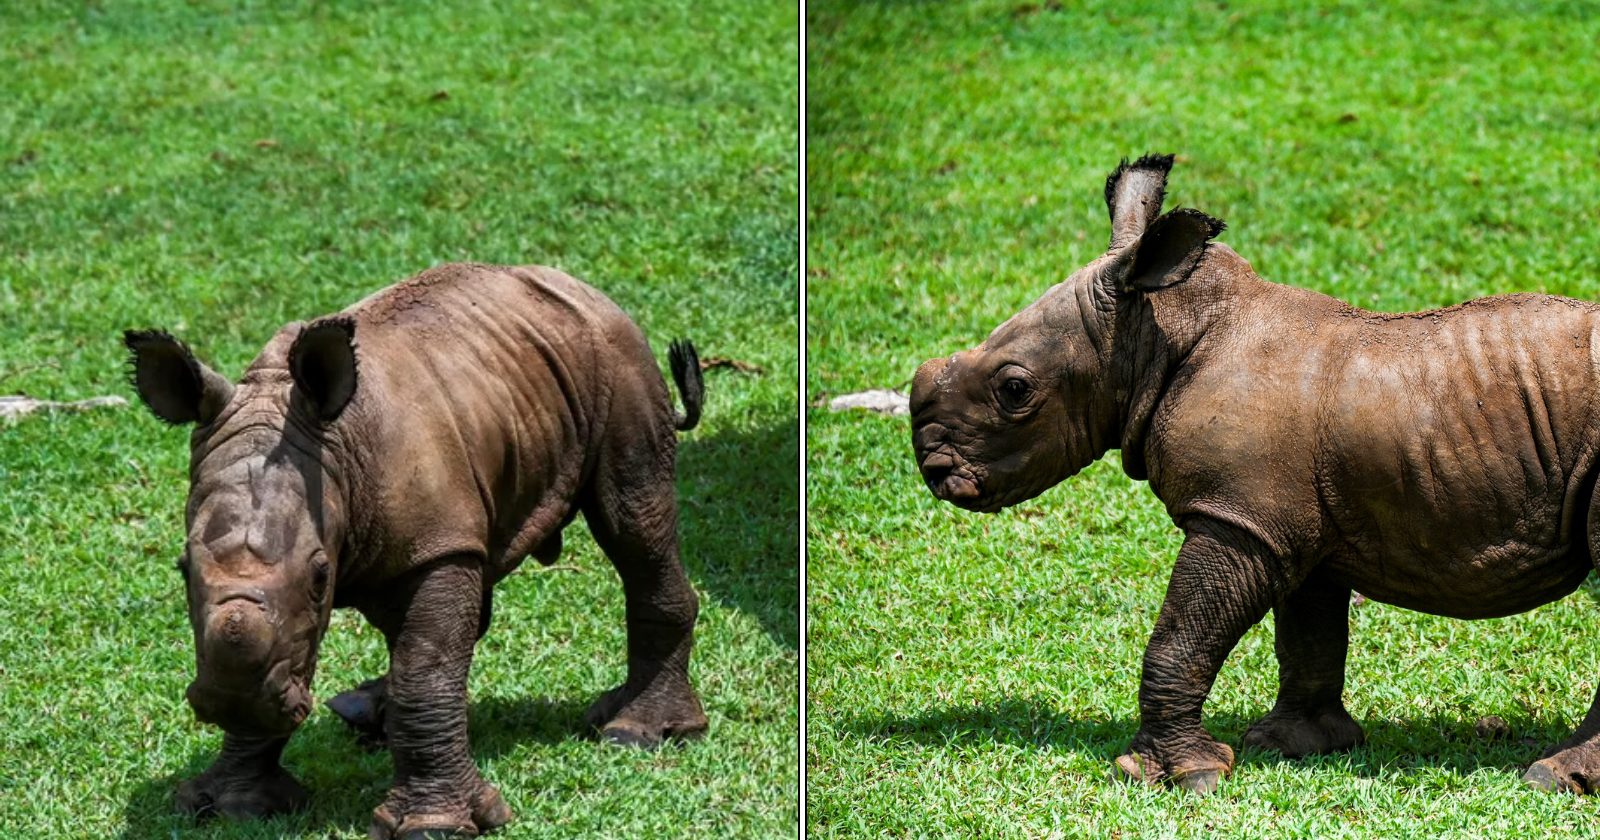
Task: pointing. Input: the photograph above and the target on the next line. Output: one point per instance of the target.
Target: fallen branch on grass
(17, 406)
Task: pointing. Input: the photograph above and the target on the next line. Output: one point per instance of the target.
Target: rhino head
(265, 515)
(1059, 384)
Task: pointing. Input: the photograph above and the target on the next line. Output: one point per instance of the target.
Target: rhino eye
(1015, 391)
(319, 578)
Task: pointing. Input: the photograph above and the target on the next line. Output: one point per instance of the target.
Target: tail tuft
(686, 373)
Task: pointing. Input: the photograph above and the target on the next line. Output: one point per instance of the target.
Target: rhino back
(1424, 453)
(1458, 447)
(480, 391)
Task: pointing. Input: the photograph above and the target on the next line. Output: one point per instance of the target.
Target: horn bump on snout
(238, 637)
(924, 383)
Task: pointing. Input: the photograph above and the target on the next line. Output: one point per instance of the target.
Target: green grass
(221, 168)
(975, 676)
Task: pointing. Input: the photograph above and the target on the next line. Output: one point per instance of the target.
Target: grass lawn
(975, 675)
(221, 168)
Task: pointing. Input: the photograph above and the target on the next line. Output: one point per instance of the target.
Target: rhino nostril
(250, 596)
(936, 466)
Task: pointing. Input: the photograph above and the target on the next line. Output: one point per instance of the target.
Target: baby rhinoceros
(1441, 461)
(401, 457)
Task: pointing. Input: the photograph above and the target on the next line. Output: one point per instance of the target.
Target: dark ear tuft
(322, 361)
(1154, 162)
(1134, 193)
(171, 381)
(1170, 249)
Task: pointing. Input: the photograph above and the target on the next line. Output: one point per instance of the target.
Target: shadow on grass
(347, 780)
(739, 495)
(1393, 748)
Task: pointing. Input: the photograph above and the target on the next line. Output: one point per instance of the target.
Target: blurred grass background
(220, 168)
(975, 675)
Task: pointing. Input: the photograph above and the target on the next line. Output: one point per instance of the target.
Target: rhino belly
(1491, 582)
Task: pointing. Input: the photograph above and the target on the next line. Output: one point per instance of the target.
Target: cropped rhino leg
(1220, 587)
(245, 781)
(432, 629)
(633, 514)
(1574, 764)
(1313, 638)
(362, 707)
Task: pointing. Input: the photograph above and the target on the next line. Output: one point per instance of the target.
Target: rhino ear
(171, 381)
(1134, 192)
(322, 361)
(1166, 253)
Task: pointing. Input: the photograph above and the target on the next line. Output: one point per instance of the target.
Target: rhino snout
(238, 636)
(241, 684)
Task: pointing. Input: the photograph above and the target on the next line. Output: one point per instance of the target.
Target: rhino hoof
(1134, 767)
(362, 708)
(213, 795)
(490, 810)
(627, 736)
(1203, 782)
(385, 826)
(1544, 776)
(1131, 768)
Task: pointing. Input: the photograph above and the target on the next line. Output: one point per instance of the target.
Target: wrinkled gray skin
(401, 458)
(1442, 461)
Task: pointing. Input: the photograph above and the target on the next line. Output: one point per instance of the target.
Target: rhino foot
(362, 709)
(1572, 770)
(488, 812)
(227, 793)
(1199, 774)
(1294, 734)
(645, 719)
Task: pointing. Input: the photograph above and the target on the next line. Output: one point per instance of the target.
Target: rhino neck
(1157, 334)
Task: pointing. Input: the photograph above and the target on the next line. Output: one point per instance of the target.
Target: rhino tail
(691, 385)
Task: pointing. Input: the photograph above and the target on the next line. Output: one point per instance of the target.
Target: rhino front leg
(634, 518)
(245, 781)
(437, 789)
(1221, 586)
(1312, 641)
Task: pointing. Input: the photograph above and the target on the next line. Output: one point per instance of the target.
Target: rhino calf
(401, 457)
(1441, 461)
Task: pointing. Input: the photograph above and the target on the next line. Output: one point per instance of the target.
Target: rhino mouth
(265, 710)
(951, 479)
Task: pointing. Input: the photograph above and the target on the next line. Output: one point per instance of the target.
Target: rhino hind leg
(1573, 766)
(1313, 636)
(634, 517)
(362, 708)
